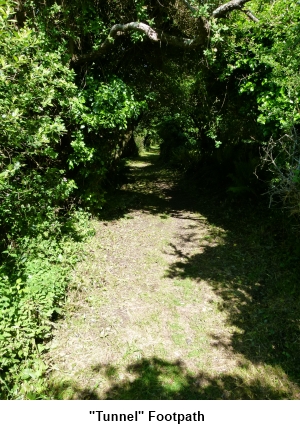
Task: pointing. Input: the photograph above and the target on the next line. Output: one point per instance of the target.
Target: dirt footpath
(142, 322)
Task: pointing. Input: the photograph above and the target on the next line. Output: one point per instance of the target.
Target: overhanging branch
(159, 36)
(226, 8)
(229, 7)
(152, 34)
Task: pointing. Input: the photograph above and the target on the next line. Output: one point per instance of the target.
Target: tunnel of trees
(216, 85)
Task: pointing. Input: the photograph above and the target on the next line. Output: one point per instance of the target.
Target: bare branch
(159, 36)
(250, 15)
(154, 35)
(229, 7)
(226, 8)
(191, 8)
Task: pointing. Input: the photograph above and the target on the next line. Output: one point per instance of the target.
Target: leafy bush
(283, 159)
(50, 146)
(33, 281)
(38, 100)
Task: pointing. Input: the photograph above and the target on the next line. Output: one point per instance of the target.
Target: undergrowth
(34, 275)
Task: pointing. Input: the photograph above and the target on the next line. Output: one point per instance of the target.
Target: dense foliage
(72, 94)
(47, 168)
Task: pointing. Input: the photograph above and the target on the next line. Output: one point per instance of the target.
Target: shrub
(283, 159)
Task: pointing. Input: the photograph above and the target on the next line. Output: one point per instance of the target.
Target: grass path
(154, 312)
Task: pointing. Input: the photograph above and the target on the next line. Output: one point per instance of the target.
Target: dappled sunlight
(252, 294)
(155, 378)
(146, 189)
(181, 297)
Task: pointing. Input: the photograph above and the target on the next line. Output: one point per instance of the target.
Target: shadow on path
(147, 189)
(156, 379)
(251, 261)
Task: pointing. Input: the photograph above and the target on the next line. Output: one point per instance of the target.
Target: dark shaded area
(142, 188)
(155, 379)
